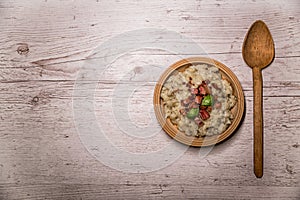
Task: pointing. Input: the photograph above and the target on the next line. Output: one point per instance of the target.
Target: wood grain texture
(258, 52)
(44, 44)
(258, 137)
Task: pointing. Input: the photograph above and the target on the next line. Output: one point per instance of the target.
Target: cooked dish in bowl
(198, 101)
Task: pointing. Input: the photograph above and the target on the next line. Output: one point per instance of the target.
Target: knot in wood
(23, 49)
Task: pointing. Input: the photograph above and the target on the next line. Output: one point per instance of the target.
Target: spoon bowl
(258, 48)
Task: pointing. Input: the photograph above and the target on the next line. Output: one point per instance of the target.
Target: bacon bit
(218, 105)
(207, 90)
(193, 105)
(204, 114)
(202, 90)
(182, 102)
(182, 111)
(198, 121)
(186, 101)
(194, 90)
(192, 97)
(203, 107)
(209, 108)
(198, 99)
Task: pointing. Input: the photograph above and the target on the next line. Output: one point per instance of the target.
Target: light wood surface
(44, 44)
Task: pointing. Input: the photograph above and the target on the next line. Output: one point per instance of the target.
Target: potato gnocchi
(198, 101)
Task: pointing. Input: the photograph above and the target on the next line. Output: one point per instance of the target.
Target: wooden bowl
(172, 130)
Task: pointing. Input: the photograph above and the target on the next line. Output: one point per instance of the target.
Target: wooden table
(45, 44)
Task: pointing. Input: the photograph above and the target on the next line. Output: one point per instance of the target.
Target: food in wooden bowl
(199, 101)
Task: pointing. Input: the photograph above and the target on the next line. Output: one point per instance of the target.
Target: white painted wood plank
(281, 70)
(39, 144)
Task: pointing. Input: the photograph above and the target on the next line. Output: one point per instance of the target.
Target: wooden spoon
(258, 53)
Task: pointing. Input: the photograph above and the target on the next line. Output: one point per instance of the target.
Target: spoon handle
(258, 122)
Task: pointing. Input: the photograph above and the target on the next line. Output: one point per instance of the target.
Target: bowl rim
(167, 125)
